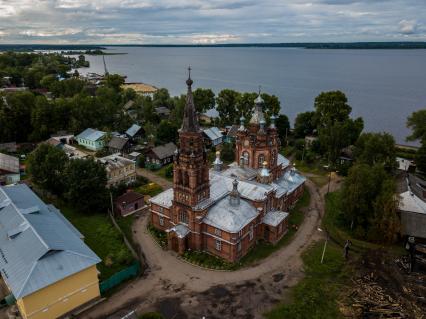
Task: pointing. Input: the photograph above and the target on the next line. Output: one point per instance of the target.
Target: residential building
(10, 147)
(44, 262)
(231, 134)
(71, 151)
(135, 132)
(130, 110)
(9, 169)
(129, 203)
(309, 140)
(213, 136)
(160, 155)
(162, 111)
(119, 169)
(91, 139)
(141, 88)
(118, 144)
(226, 211)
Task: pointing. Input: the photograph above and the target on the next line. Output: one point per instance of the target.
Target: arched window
(260, 160)
(246, 158)
(183, 217)
(273, 157)
(185, 181)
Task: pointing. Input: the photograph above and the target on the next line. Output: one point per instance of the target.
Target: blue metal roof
(133, 130)
(91, 134)
(37, 247)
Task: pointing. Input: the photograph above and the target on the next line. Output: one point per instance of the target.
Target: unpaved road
(181, 290)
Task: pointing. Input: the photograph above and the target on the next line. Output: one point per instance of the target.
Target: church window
(183, 216)
(218, 232)
(218, 244)
(246, 158)
(260, 160)
(161, 220)
(239, 246)
(273, 157)
(251, 233)
(240, 233)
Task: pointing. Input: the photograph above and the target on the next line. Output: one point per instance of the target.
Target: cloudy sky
(212, 21)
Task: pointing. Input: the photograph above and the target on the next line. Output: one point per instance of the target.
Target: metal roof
(115, 161)
(409, 202)
(163, 199)
(164, 151)
(283, 161)
(230, 218)
(213, 133)
(133, 130)
(180, 230)
(117, 142)
(274, 218)
(91, 134)
(290, 181)
(43, 249)
(9, 163)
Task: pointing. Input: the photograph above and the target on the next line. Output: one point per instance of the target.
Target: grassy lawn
(317, 294)
(162, 172)
(101, 236)
(159, 236)
(264, 249)
(316, 168)
(150, 189)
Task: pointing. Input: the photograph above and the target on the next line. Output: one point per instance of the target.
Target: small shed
(129, 203)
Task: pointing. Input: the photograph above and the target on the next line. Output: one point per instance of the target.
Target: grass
(317, 294)
(320, 181)
(101, 236)
(204, 259)
(159, 235)
(150, 189)
(315, 168)
(264, 249)
(125, 224)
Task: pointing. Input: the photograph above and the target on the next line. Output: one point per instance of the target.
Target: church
(221, 210)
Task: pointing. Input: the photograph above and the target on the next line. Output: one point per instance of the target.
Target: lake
(382, 86)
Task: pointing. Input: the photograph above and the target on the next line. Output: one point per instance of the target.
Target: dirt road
(181, 290)
(164, 183)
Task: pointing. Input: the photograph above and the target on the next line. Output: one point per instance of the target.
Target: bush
(168, 172)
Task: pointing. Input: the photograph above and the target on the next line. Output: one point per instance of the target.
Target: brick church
(225, 211)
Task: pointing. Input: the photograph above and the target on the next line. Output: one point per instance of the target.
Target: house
(129, 109)
(347, 155)
(213, 136)
(129, 203)
(160, 155)
(404, 164)
(91, 139)
(64, 137)
(231, 134)
(204, 118)
(141, 88)
(309, 140)
(120, 170)
(9, 169)
(134, 156)
(10, 147)
(135, 132)
(44, 262)
(226, 211)
(71, 151)
(119, 144)
(162, 112)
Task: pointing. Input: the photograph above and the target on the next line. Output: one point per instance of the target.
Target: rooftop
(133, 130)
(38, 246)
(213, 133)
(274, 218)
(128, 197)
(115, 161)
(91, 134)
(140, 87)
(164, 151)
(118, 142)
(9, 163)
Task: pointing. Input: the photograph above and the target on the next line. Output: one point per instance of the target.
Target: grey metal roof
(9, 163)
(241, 173)
(117, 142)
(115, 161)
(288, 182)
(409, 202)
(283, 161)
(133, 130)
(37, 247)
(163, 199)
(180, 230)
(164, 151)
(213, 133)
(162, 110)
(91, 134)
(230, 218)
(274, 218)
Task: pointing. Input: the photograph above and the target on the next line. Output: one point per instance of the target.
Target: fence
(119, 277)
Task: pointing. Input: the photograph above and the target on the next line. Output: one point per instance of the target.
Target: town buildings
(9, 169)
(213, 136)
(225, 211)
(91, 139)
(160, 155)
(120, 170)
(43, 260)
(129, 203)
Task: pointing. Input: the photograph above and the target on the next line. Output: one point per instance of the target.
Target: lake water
(383, 86)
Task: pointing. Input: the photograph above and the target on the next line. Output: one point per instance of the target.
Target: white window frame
(161, 220)
(251, 233)
(218, 232)
(239, 246)
(218, 245)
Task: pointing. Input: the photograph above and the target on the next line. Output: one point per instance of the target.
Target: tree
(376, 148)
(162, 98)
(167, 132)
(272, 105)
(204, 100)
(304, 124)
(385, 224)
(283, 126)
(46, 165)
(331, 107)
(85, 182)
(228, 152)
(421, 157)
(226, 103)
(245, 105)
(114, 81)
(417, 123)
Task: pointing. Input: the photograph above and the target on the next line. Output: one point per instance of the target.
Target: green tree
(331, 107)
(167, 132)
(204, 100)
(417, 123)
(226, 103)
(421, 157)
(245, 105)
(304, 124)
(271, 106)
(283, 126)
(228, 152)
(114, 81)
(85, 182)
(46, 165)
(376, 148)
(162, 98)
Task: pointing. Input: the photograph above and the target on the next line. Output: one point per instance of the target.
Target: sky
(210, 22)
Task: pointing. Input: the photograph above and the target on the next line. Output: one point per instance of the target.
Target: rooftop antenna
(105, 67)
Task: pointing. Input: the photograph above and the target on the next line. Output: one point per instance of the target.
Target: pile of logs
(372, 301)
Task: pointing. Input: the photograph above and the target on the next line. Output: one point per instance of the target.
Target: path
(164, 183)
(169, 277)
